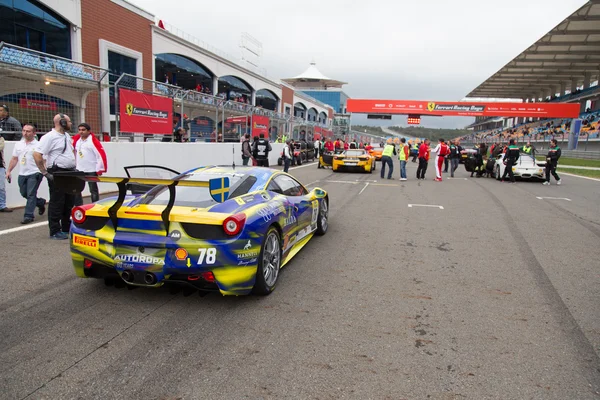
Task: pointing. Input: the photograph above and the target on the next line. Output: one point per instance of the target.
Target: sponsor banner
(260, 124)
(237, 120)
(145, 113)
(38, 104)
(469, 109)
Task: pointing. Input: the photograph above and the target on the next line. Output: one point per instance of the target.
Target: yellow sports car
(354, 160)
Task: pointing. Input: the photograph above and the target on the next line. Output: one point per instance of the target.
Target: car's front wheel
(269, 263)
(323, 218)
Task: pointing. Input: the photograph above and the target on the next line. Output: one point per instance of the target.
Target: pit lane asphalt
(494, 297)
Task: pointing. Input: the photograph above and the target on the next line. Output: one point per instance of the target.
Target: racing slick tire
(280, 161)
(269, 263)
(323, 218)
(498, 177)
(299, 160)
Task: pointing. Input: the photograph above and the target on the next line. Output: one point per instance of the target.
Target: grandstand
(562, 66)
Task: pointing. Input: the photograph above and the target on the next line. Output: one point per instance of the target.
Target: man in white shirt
(317, 145)
(57, 147)
(90, 157)
(29, 174)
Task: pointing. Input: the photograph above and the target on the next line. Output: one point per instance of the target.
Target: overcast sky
(395, 49)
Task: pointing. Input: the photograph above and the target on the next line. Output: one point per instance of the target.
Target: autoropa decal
(139, 259)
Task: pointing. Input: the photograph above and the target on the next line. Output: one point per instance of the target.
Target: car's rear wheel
(323, 218)
(280, 161)
(299, 160)
(269, 263)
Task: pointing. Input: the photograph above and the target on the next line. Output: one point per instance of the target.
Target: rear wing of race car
(72, 180)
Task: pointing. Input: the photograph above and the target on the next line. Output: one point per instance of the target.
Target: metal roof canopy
(566, 54)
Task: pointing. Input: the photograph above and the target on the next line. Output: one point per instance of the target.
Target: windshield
(354, 153)
(187, 196)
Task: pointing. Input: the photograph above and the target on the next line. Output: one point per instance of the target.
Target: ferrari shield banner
(260, 124)
(469, 109)
(145, 113)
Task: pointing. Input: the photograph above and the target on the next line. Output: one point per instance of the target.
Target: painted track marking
(425, 205)
(363, 189)
(553, 198)
(23, 228)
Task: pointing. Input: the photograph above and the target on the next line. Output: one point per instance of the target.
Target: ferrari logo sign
(430, 106)
(219, 189)
(129, 109)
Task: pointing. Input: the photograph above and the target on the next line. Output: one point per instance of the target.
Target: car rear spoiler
(71, 181)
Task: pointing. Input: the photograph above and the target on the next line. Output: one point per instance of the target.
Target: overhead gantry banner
(462, 109)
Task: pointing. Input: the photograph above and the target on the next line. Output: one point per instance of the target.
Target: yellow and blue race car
(354, 160)
(227, 229)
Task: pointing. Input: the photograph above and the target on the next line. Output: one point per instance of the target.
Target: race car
(302, 153)
(525, 168)
(377, 153)
(354, 160)
(226, 229)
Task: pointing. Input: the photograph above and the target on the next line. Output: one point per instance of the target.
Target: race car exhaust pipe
(127, 276)
(150, 278)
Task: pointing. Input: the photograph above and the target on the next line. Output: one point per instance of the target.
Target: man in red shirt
(329, 145)
(423, 159)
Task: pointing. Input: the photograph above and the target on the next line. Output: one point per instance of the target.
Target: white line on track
(304, 165)
(553, 198)
(579, 176)
(363, 189)
(312, 183)
(458, 179)
(425, 205)
(350, 182)
(23, 228)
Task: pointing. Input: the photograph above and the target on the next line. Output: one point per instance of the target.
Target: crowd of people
(56, 151)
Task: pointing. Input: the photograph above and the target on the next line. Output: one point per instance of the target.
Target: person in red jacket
(424, 151)
(89, 157)
(329, 146)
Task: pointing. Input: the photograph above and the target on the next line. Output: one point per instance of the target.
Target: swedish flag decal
(219, 189)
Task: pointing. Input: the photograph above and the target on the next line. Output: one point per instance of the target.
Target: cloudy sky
(396, 49)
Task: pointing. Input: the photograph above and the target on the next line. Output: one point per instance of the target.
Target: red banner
(38, 104)
(145, 113)
(317, 134)
(468, 109)
(260, 124)
(237, 120)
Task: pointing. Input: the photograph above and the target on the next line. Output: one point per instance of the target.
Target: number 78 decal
(210, 254)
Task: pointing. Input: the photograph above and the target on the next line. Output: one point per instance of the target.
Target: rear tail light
(78, 213)
(339, 158)
(363, 158)
(208, 276)
(234, 224)
(87, 263)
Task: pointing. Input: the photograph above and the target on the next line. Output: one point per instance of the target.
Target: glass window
(29, 24)
(119, 64)
(289, 186)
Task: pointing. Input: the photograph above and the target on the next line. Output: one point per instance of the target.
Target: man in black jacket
(261, 150)
(510, 159)
(554, 153)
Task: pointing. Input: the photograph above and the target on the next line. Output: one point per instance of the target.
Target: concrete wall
(177, 156)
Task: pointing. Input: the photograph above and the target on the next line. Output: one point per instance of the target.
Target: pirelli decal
(85, 241)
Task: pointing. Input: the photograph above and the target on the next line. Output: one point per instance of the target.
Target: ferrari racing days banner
(469, 109)
(145, 113)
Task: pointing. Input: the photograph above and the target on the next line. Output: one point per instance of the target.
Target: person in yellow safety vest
(529, 150)
(415, 152)
(403, 154)
(389, 150)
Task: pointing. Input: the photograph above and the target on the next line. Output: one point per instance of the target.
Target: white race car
(525, 168)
